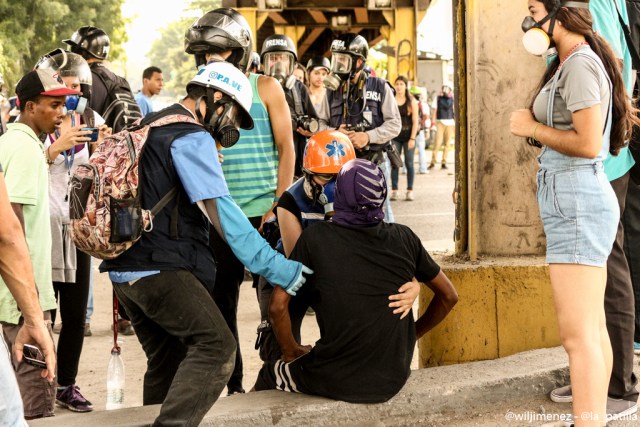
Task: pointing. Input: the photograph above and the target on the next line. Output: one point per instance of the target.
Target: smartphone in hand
(93, 135)
(33, 356)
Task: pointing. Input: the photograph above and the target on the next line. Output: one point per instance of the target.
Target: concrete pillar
(505, 304)
(501, 75)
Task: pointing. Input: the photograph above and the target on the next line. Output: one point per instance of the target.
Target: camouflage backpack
(104, 201)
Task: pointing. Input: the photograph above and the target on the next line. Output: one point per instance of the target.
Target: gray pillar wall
(503, 214)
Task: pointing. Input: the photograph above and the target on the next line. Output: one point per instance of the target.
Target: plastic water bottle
(115, 382)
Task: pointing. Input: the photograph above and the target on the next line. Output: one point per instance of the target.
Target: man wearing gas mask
(361, 106)
(260, 167)
(165, 279)
(278, 57)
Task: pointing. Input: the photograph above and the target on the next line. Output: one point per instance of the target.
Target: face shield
(341, 63)
(68, 64)
(278, 64)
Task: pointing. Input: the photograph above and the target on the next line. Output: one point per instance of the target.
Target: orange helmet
(327, 151)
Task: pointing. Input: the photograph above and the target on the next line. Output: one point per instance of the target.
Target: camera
(305, 122)
(375, 153)
(358, 127)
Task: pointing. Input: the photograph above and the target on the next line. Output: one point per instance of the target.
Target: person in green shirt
(41, 94)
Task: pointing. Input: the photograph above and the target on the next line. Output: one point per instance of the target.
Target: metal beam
(311, 38)
(318, 16)
(277, 18)
(362, 15)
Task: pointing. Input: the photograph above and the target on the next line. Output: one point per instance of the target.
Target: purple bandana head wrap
(361, 189)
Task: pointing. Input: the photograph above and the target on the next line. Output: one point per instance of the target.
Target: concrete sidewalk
(431, 397)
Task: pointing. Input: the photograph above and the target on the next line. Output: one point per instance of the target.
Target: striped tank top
(251, 166)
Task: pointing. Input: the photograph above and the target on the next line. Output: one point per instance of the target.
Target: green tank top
(251, 166)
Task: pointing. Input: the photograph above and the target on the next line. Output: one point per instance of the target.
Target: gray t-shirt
(582, 83)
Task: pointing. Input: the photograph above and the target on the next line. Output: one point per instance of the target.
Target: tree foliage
(167, 52)
(31, 28)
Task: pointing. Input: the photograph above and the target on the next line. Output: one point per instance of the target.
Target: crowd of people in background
(262, 162)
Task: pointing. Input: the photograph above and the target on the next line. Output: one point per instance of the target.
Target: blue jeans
(190, 350)
(386, 207)
(11, 413)
(421, 143)
(408, 163)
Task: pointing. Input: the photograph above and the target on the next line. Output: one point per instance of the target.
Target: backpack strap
(164, 120)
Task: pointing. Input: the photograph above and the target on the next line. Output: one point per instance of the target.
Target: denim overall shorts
(578, 207)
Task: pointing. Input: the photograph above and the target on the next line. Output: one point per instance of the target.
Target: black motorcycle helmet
(278, 43)
(318, 62)
(217, 31)
(350, 44)
(89, 42)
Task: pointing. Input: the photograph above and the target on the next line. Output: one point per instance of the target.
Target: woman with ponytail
(579, 114)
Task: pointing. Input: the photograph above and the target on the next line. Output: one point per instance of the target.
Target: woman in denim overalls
(580, 113)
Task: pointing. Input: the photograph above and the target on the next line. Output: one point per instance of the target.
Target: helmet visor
(66, 64)
(199, 37)
(341, 63)
(284, 59)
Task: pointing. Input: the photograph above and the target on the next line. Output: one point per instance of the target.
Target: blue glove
(297, 284)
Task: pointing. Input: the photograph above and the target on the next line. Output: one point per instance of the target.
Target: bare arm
(17, 210)
(17, 273)
(281, 325)
(274, 100)
(584, 140)
(443, 301)
(290, 230)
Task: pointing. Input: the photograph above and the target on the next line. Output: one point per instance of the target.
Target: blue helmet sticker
(214, 75)
(335, 149)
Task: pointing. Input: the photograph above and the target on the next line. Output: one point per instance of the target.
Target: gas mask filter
(535, 40)
(75, 103)
(221, 120)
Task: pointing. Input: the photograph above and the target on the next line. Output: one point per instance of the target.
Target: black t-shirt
(365, 351)
(288, 202)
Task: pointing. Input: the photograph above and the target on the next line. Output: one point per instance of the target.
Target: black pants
(619, 308)
(189, 348)
(72, 298)
(632, 247)
(229, 277)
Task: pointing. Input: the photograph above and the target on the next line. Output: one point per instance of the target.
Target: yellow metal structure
(313, 38)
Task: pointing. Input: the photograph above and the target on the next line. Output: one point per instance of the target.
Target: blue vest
(445, 108)
(310, 211)
(180, 236)
(374, 97)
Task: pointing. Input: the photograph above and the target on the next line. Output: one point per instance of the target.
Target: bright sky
(147, 17)
(435, 32)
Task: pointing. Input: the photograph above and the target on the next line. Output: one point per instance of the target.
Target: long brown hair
(407, 95)
(580, 21)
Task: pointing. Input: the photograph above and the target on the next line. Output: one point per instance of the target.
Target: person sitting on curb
(364, 352)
